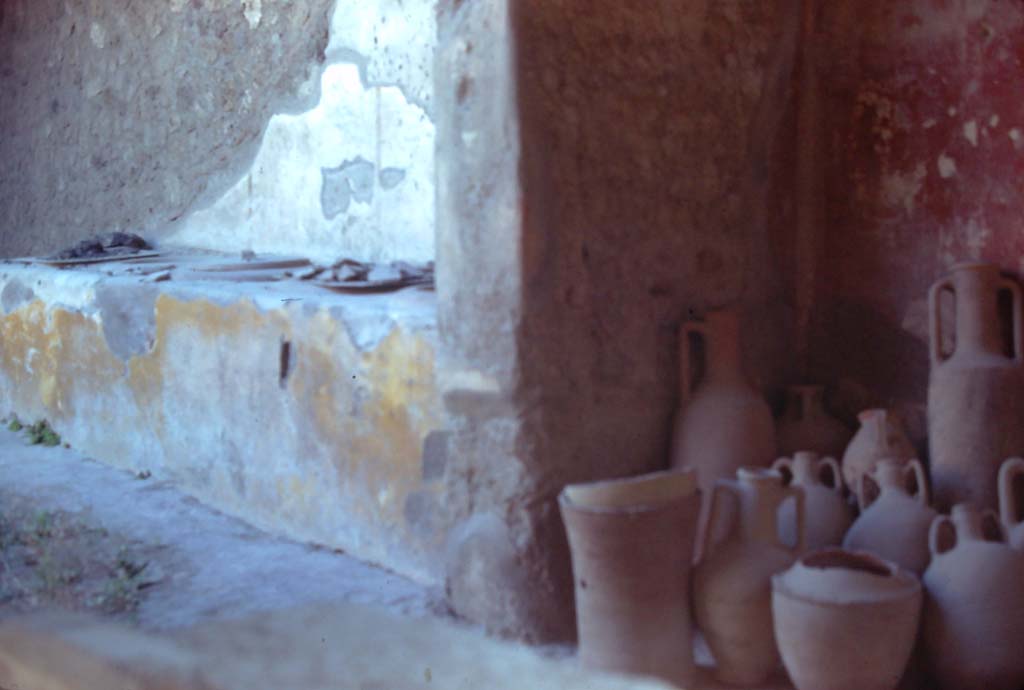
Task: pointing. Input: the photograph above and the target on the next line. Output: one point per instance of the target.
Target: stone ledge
(303, 411)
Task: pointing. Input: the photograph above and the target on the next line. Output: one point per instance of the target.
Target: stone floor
(212, 566)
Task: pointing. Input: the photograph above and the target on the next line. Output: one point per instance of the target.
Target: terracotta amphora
(828, 516)
(732, 584)
(975, 392)
(880, 436)
(631, 542)
(895, 515)
(805, 425)
(1011, 501)
(973, 625)
(845, 621)
(722, 423)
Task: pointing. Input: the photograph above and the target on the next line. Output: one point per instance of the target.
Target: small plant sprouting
(43, 527)
(15, 424)
(41, 433)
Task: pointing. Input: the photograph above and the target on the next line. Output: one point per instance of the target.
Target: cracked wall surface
(220, 124)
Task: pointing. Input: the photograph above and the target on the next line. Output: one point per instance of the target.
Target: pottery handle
(863, 499)
(991, 527)
(715, 515)
(915, 467)
(935, 319)
(1013, 288)
(1009, 511)
(943, 529)
(797, 492)
(837, 474)
(784, 466)
(685, 384)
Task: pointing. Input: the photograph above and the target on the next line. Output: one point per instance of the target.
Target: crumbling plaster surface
(126, 115)
(924, 156)
(157, 118)
(353, 176)
(611, 161)
(332, 440)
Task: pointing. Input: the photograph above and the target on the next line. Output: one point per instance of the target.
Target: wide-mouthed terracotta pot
(632, 542)
(845, 620)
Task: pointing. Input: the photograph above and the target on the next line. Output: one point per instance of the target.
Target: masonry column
(599, 181)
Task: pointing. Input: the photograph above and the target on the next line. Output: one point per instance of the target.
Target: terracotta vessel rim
(611, 494)
(973, 266)
(755, 474)
(907, 584)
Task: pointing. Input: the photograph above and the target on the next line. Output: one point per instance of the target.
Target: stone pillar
(598, 182)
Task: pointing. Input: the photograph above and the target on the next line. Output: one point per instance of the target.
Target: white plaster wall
(354, 176)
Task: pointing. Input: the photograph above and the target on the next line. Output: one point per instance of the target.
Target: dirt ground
(58, 560)
(76, 534)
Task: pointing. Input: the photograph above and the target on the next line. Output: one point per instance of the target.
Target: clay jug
(805, 425)
(975, 392)
(828, 516)
(631, 542)
(845, 621)
(895, 515)
(722, 423)
(880, 436)
(1011, 505)
(732, 584)
(974, 606)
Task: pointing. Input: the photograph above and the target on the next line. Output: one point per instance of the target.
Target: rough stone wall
(157, 118)
(644, 146)
(925, 150)
(125, 115)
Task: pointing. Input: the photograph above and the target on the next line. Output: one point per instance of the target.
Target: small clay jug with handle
(631, 542)
(895, 515)
(722, 422)
(805, 425)
(828, 515)
(880, 436)
(973, 620)
(1011, 501)
(976, 390)
(732, 584)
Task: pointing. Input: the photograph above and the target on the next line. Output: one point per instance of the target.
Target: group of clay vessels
(844, 574)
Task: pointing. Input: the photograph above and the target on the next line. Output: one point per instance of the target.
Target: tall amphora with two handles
(976, 386)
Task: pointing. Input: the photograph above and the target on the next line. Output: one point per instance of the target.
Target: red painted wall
(922, 132)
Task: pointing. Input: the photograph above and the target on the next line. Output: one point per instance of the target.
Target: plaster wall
(268, 125)
(307, 413)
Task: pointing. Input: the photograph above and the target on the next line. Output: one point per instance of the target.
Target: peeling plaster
(946, 166)
(902, 189)
(317, 184)
(971, 132)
